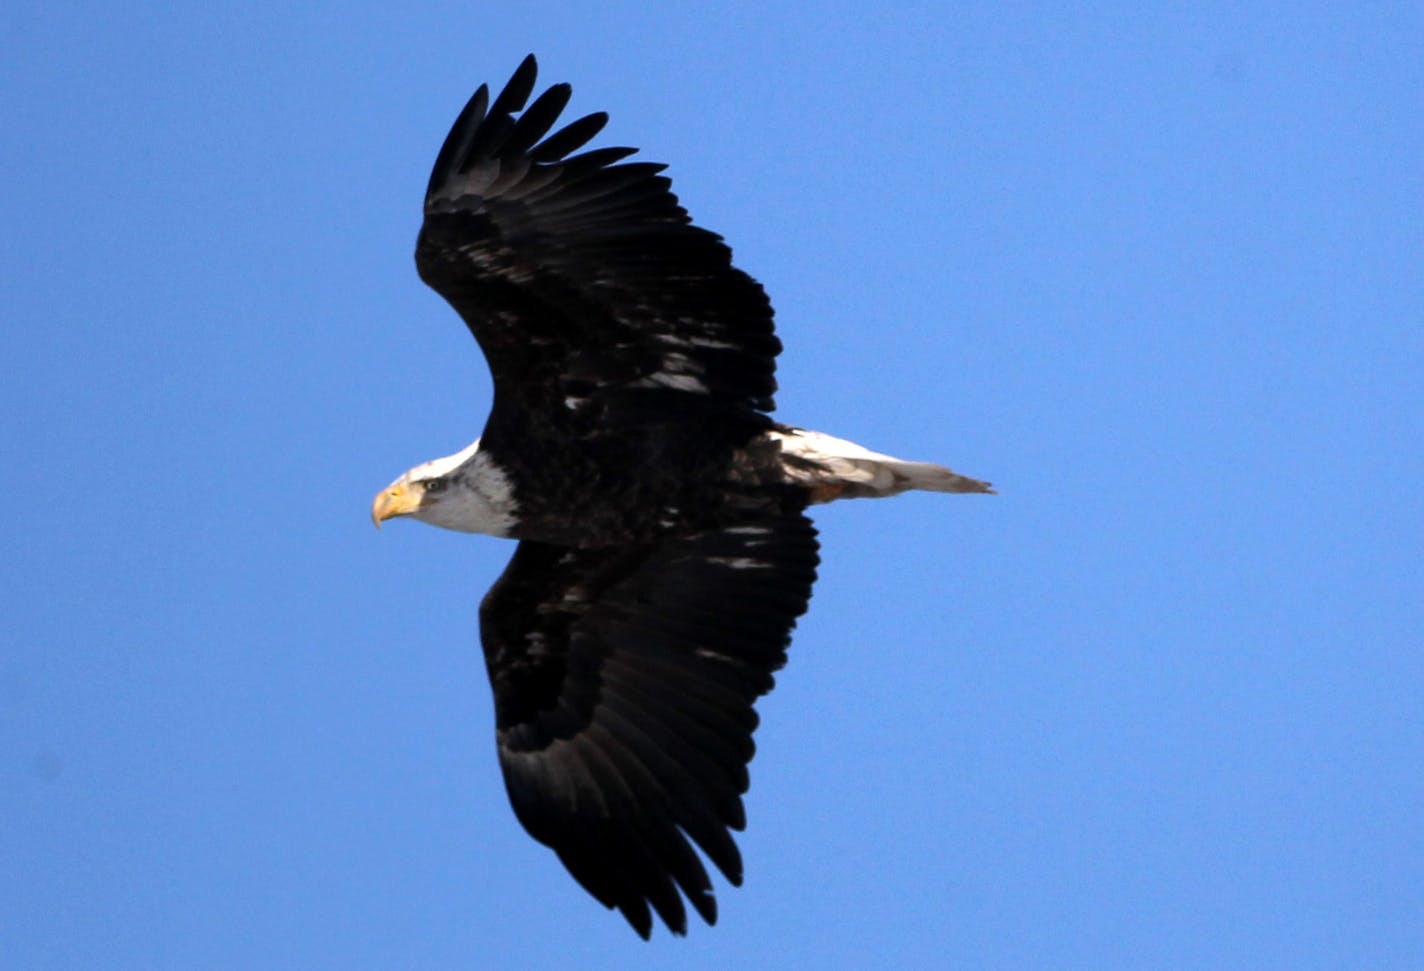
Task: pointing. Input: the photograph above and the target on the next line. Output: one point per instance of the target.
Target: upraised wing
(623, 683)
(581, 276)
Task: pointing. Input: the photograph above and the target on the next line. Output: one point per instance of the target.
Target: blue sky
(1155, 271)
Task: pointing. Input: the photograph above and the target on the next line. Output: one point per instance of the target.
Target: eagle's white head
(466, 491)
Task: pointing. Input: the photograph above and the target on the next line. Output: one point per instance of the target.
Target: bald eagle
(664, 551)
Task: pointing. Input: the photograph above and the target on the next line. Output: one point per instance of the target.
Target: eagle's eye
(435, 485)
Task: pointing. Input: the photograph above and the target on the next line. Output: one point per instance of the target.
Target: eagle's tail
(833, 468)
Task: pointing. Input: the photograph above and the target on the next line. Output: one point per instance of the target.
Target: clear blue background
(1158, 273)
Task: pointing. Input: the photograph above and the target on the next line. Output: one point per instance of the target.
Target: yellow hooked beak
(400, 499)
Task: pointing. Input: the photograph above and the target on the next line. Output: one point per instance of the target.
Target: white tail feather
(834, 468)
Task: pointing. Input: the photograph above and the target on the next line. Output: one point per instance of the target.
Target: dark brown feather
(618, 742)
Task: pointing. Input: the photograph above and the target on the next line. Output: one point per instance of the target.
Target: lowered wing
(623, 685)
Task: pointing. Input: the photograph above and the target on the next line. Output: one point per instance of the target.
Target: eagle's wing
(623, 686)
(581, 276)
